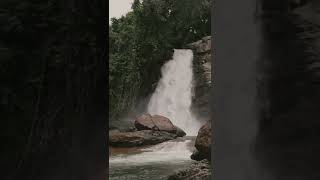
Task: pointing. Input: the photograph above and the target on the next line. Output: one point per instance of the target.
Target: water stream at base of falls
(155, 162)
(172, 99)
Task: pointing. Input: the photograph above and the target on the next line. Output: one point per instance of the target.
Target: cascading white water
(164, 152)
(154, 162)
(173, 95)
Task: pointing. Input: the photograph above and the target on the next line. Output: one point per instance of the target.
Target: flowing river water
(154, 162)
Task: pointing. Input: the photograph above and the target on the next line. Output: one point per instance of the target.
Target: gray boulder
(203, 143)
(138, 138)
(157, 123)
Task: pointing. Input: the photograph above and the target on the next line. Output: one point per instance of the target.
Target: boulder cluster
(147, 130)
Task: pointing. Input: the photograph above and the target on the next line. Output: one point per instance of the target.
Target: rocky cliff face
(202, 87)
(202, 76)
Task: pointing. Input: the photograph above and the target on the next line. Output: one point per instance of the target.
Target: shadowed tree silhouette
(53, 89)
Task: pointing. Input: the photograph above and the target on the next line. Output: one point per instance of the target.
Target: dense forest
(142, 40)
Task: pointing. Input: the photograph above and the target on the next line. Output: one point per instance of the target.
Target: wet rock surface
(144, 122)
(138, 138)
(196, 155)
(197, 171)
(203, 143)
(157, 123)
(148, 130)
(179, 132)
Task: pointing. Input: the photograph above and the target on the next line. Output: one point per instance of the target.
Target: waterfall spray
(173, 95)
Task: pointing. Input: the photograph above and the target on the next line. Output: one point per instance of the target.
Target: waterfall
(172, 99)
(173, 95)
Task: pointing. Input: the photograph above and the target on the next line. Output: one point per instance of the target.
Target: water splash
(173, 95)
(161, 153)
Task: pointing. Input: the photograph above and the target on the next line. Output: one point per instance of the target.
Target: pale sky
(117, 8)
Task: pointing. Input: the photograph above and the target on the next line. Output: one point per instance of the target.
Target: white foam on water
(170, 151)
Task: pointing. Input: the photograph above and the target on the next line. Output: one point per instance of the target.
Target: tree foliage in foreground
(142, 40)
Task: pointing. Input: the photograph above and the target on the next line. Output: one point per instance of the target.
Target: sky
(117, 8)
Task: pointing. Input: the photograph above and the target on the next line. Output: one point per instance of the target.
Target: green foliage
(141, 41)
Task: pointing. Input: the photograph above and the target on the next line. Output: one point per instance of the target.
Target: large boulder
(197, 171)
(144, 122)
(157, 123)
(203, 143)
(138, 138)
(196, 155)
(163, 124)
(180, 132)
